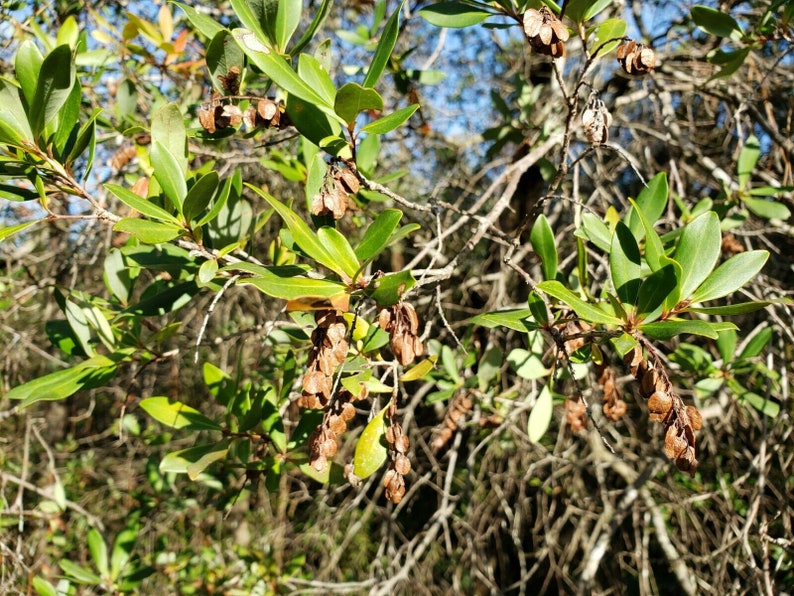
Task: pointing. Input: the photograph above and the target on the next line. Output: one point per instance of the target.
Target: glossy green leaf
(143, 206)
(716, 22)
(595, 230)
(674, 297)
(312, 122)
(580, 11)
(652, 201)
(765, 406)
(43, 587)
(79, 574)
(768, 209)
(56, 78)
(207, 272)
(175, 414)
(218, 204)
(388, 290)
(664, 330)
(654, 249)
(339, 250)
(288, 18)
(386, 43)
(149, 232)
(243, 10)
(68, 121)
(200, 195)
(14, 126)
(698, 250)
(194, 460)
(352, 99)
(27, 65)
(609, 29)
(726, 345)
(169, 175)
(731, 275)
(757, 343)
(284, 282)
(741, 308)
(729, 62)
(748, 158)
(586, 311)
(453, 14)
(542, 239)
(540, 416)
(117, 277)
(222, 55)
(625, 263)
(205, 25)
(168, 130)
(371, 450)
(538, 308)
(519, 319)
(86, 139)
(98, 550)
(312, 72)
(123, 547)
(654, 290)
(378, 234)
(167, 298)
(391, 121)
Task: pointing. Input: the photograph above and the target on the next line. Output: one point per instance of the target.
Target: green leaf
(726, 346)
(320, 15)
(716, 22)
(757, 343)
(586, 311)
(698, 250)
(279, 283)
(340, 250)
(68, 121)
(388, 290)
(79, 574)
(731, 309)
(116, 276)
(651, 203)
(243, 10)
(542, 239)
(56, 79)
(312, 122)
(168, 129)
(143, 206)
(371, 450)
(609, 29)
(205, 25)
(166, 299)
(207, 272)
(123, 547)
(526, 364)
(748, 158)
(221, 56)
(625, 263)
(420, 370)
(729, 62)
(98, 550)
(664, 330)
(540, 416)
(453, 14)
(388, 39)
(765, 406)
(538, 307)
(9, 231)
(168, 174)
(390, 122)
(596, 231)
(766, 208)
(14, 126)
(288, 18)
(731, 275)
(519, 319)
(378, 234)
(200, 195)
(27, 66)
(580, 11)
(86, 138)
(176, 414)
(352, 99)
(194, 460)
(43, 587)
(317, 77)
(218, 204)
(149, 232)
(653, 292)
(654, 249)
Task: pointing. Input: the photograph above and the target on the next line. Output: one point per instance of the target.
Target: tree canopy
(391, 297)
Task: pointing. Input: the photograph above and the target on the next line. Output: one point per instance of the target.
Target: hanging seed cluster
(399, 464)
(334, 197)
(596, 121)
(459, 408)
(324, 441)
(681, 422)
(329, 348)
(614, 407)
(635, 58)
(218, 114)
(402, 324)
(545, 32)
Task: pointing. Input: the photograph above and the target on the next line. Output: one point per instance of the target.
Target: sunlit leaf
(56, 78)
(386, 43)
(731, 275)
(149, 232)
(453, 14)
(586, 311)
(371, 450)
(378, 234)
(542, 239)
(176, 414)
(698, 250)
(419, 371)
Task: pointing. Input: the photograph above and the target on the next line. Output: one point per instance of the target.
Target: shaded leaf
(453, 14)
(716, 22)
(668, 329)
(625, 264)
(56, 79)
(168, 174)
(542, 239)
(586, 311)
(352, 99)
(200, 195)
(168, 129)
(519, 319)
(386, 43)
(143, 206)
(388, 290)
(540, 416)
(194, 460)
(378, 234)
(340, 250)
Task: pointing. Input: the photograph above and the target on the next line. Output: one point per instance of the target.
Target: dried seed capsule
(659, 402)
(401, 444)
(695, 419)
(402, 465)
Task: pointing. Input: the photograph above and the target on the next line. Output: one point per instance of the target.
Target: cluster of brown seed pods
(334, 196)
(402, 324)
(545, 32)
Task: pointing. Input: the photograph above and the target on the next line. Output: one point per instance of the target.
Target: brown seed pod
(659, 403)
(636, 58)
(596, 121)
(674, 444)
(402, 465)
(231, 81)
(401, 444)
(695, 419)
(545, 32)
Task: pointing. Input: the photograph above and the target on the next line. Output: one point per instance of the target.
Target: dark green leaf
(378, 234)
(169, 175)
(716, 22)
(175, 414)
(56, 78)
(390, 122)
(726, 346)
(205, 25)
(730, 62)
(519, 319)
(200, 195)
(664, 330)
(165, 300)
(453, 14)
(731, 275)
(388, 290)
(748, 158)
(653, 292)
(339, 250)
(352, 99)
(68, 121)
(149, 232)
(285, 282)
(757, 343)
(218, 204)
(542, 239)
(14, 126)
(625, 264)
(386, 43)
(312, 122)
(698, 250)
(222, 55)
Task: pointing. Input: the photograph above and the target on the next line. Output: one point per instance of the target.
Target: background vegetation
(382, 298)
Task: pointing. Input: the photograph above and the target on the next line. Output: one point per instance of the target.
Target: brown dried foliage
(596, 121)
(401, 322)
(681, 422)
(545, 32)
